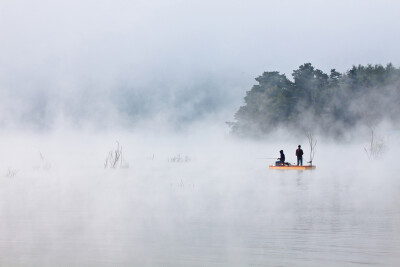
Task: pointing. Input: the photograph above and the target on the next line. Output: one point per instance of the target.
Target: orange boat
(293, 167)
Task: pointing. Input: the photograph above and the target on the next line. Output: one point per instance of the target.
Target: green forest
(332, 104)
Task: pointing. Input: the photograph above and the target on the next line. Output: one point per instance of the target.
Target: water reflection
(299, 218)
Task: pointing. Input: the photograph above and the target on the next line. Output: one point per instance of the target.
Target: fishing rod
(267, 158)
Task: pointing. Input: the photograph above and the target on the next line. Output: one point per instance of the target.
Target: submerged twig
(313, 146)
(11, 173)
(115, 159)
(376, 146)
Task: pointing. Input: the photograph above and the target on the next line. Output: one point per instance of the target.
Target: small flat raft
(293, 167)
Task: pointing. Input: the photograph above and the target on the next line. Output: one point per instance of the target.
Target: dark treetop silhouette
(332, 104)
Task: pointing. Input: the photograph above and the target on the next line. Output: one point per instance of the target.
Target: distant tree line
(329, 103)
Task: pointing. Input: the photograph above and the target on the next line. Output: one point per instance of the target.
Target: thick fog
(108, 62)
(153, 83)
(193, 199)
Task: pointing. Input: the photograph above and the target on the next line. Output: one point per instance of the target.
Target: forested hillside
(313, 100)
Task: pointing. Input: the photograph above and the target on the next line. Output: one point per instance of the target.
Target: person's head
(281, 151)
(299, 146)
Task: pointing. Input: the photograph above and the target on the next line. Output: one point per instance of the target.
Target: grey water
(207, 212)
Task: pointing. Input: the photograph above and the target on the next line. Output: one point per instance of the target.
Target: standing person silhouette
(299, 154)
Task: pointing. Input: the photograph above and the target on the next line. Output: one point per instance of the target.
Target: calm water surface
(190, 214)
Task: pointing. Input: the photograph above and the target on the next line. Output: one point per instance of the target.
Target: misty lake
(222, 85)
(226, 211)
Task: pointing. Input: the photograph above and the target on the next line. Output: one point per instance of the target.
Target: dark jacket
(282, 158)
(299, 153)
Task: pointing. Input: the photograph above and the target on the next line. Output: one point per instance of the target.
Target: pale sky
(169, 49)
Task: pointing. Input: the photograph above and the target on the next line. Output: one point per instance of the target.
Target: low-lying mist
(198, 197)
(114, 147)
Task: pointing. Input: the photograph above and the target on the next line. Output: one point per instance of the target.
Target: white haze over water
(224, 207)
(161, 78)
